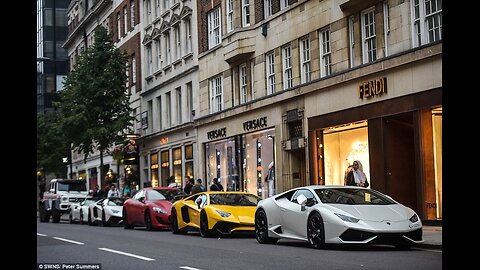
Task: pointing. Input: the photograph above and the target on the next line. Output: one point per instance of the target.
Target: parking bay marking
(127, 254)
(67, 240)
(188, 268)
(41, 234)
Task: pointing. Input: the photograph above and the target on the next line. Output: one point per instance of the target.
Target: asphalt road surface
(74, 246)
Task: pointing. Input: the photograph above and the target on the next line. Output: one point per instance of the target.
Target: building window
(351, 36)
(154, 169)
(369, 38)
(178, 48)
(267, 7)
(189, 160)
(245, 13)
(283, 4)
(188, 36)
(270, 73)
(243, 83)
(305, 60)
(168, 49)
(189, 101)
(287, 67)
(134, 69)
(132, 14)
(178, 92)
(214, 32)
(427, 21)
(125, 20)
(158, 48)
(216, 94)
(177, 165)
(149, 59)
(149, 11)
(168, 105)
(229, 16)
(159, 112)
(325, 54)
(119, 26)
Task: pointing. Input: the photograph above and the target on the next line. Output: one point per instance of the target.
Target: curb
(430, 246)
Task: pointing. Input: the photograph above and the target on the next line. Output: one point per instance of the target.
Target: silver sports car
(337, 215)
(106, 212)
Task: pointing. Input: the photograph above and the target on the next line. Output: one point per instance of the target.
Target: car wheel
(174, 222)
(261, 228)
(104, 220)
(126, 226)
(148, 221)
(316, 231)
(204, 231)
(89, 219)
(81, 217)
(70, 218)
(44, 214)
(55, 215)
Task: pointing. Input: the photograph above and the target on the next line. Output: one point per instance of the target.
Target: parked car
(79, 210)
(214, 213)
(322, 215)
(150, 207)
(106, 212)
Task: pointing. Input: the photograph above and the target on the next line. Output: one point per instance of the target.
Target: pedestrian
(113, 192)
(96, 191)
(356, 176)
(216, 186)
(188, 185)
(198, 187)
(133, 190)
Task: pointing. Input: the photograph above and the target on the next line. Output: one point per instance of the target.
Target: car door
(136, 208)
(294, 218)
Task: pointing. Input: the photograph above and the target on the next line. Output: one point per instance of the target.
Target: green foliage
(51, 144)
(95, 105)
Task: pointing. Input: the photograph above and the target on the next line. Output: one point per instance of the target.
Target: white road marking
(67, 240)
(41, 234)
(127, 254)
(189, 268)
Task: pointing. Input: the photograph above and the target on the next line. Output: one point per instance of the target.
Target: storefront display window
(177, 165)
(189, 161)
(221, 163)
(165, 167)
(437, 142)
(154, 169)
(343, 145)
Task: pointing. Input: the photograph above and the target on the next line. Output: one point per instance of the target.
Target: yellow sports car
(215, 212)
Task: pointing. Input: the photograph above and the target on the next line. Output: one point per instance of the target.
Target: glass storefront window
(343, 145)
(221, 163)
(165, 171)
(177, 165)
(437, 142)
(189, 161)
(154, 169)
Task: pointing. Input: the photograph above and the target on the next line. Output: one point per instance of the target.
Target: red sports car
(150, 207)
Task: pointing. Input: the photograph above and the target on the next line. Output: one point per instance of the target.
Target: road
(117, 249)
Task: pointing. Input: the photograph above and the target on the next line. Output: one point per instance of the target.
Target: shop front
(241, 154)
(397, 139)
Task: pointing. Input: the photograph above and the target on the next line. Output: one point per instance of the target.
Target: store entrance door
(400, 158)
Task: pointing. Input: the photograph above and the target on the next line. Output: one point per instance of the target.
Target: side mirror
(302, 200)
(52, 190)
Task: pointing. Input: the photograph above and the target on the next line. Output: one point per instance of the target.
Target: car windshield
(116, 201)
(165, 194)
(234, 199)
(72, 186)
(353, 196)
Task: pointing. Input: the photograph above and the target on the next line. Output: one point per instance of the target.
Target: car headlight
(414, 218)
(159, 210)
(223, 213)
(64, 199)
(347, 218)
(115, 211)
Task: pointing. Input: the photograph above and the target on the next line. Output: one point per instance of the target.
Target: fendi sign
(372, 88)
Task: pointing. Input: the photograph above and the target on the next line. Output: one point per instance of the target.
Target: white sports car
(79, 211)
(337, 215)
(106, 212)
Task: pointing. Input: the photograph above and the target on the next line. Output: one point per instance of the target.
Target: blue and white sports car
(337, 215)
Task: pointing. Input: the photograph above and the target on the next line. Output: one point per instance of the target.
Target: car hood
(393, 212)
(242, 214)
(164, 204)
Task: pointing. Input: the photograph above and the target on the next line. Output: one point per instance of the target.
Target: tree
(51, 144)
(94, 105)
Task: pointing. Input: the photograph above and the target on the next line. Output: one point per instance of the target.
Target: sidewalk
(432, 237)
